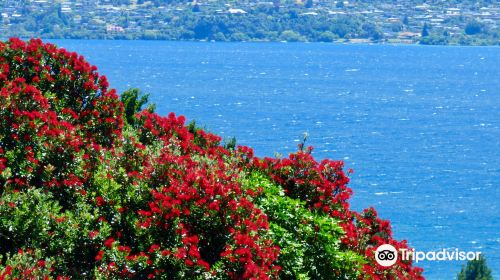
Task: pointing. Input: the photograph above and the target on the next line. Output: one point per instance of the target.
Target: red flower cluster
(36, 269)
(54, 106)
(198, 192)
(323, 185)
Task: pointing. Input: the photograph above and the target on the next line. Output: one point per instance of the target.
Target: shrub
(133, 101)
(475, 270)
(309, 240)
(474, 27)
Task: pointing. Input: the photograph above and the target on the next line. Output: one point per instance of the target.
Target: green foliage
(29, 264)
(291, 36)
(474, 27)
(309, 240)
(425, 30)
(133, 102)
(327, 36)
(372, 31)
(230, 144)
(33, 219)
(475, 270)
(434, 39)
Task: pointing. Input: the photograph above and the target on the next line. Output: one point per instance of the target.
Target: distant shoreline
(336, 42)
(458, 23)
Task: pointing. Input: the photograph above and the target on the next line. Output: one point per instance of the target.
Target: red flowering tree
(88, 189)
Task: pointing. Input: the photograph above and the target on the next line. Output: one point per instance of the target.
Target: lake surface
(419, 125)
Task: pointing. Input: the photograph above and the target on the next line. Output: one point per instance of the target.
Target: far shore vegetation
(458, 22)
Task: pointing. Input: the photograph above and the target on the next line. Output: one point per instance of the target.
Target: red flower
(93, 234)
(99, 201)
(41, 263)
(99, 255)
(109, 242)
(153, 248)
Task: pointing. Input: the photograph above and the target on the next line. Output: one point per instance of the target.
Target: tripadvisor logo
(387, 255)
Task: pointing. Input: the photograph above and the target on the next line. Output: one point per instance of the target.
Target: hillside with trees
(409, 21)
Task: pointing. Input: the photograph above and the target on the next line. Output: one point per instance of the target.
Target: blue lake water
(419, 125)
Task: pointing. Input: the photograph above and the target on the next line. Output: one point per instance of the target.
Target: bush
(475, 270)
(133, 102)
(474, 27)
(85, 194)
(309, 240)
(291, 36)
